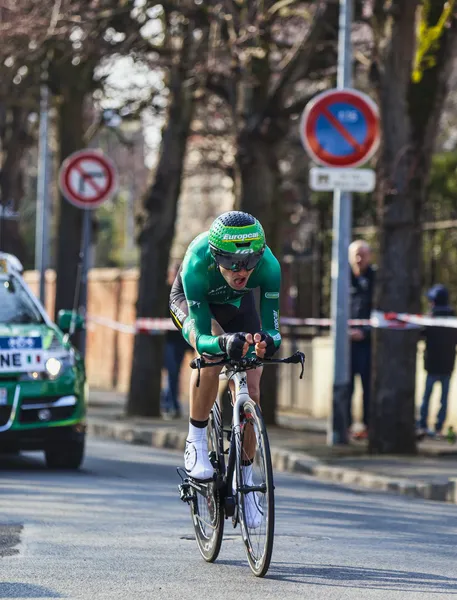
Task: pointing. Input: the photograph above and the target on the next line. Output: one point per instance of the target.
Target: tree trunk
(258, 194)
(155, 240)
(14, 142)
(409, 117)
(258, 184)
(71, 131)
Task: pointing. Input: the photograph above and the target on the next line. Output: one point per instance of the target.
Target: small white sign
(17, 361)
(346, 180)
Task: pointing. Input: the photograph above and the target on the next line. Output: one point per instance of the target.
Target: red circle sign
(87, 178)
(340, 128)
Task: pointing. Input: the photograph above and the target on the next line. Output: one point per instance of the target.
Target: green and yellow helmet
(236, 240)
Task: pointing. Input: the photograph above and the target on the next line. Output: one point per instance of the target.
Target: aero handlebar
(244, 364)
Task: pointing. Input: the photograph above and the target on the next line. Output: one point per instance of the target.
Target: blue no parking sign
(340, 128)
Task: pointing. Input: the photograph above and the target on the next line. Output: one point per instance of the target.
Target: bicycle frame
(223, 497)
(241, 395)
(239, 376)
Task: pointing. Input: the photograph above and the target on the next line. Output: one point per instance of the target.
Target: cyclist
(212, 302)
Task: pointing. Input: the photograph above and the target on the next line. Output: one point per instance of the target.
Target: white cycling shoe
(253, 512)
(196, 460)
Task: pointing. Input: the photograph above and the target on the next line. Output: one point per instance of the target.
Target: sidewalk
(299, 445)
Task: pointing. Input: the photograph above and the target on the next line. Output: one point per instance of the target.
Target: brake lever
(301, 357)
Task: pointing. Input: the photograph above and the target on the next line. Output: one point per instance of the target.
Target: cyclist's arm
(269, 300)
(195, 283)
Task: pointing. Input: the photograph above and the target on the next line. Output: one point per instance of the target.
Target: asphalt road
(117, 529)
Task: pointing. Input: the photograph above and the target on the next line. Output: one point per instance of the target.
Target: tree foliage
(61, 44)
(428, 37)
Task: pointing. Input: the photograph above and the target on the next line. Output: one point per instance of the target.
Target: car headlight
(53, 367)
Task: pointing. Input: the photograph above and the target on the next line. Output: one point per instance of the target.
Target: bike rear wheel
(206, 507)
(255, 489)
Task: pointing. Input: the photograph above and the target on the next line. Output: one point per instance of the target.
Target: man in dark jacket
(439, 357)
(361, 289)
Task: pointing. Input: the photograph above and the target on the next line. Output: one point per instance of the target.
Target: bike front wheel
(255, 489)
(206, 507)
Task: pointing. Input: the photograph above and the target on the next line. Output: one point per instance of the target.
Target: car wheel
(69, 455)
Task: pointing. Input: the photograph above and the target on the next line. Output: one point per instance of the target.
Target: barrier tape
(111, 324)
(147, 325)
(388, 320)
(378, 320)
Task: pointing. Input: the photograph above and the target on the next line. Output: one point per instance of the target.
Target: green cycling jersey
(203, 285)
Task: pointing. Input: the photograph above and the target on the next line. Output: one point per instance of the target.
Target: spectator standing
(361, 292)
(439, 358)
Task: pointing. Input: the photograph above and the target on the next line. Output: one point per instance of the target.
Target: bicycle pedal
(185, 493)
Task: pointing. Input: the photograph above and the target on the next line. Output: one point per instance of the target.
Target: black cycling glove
(232, 344)
(271, 348)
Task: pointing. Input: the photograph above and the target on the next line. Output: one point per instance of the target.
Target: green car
(42, 376)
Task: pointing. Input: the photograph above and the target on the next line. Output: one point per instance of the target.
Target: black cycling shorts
(231, 318)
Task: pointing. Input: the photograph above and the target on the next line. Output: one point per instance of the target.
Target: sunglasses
(235, 262)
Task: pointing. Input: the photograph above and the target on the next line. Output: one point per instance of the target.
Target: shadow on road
(26, 590)
(364, 578)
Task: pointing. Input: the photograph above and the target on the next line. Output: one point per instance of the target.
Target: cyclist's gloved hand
(266, 343)
(233, 344)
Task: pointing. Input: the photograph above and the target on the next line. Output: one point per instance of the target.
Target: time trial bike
(242, 487)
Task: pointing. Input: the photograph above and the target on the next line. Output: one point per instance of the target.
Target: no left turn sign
(87, 178)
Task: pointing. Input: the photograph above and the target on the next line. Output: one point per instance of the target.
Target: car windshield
(16, 305)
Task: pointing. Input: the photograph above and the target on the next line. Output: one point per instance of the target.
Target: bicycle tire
(206, 508)
(258, 540)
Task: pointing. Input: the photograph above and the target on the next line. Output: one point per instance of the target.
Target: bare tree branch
(297, 106)
(300, 55)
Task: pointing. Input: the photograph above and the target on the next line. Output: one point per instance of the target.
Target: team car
(43, 386)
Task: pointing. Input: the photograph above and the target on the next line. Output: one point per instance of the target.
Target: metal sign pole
(42, 205)
(342, 221)
(87, 222)
(87, 178)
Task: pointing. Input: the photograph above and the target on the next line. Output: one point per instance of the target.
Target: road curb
(284, 460)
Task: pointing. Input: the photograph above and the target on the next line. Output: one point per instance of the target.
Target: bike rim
(206, 507)
(257, 506)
